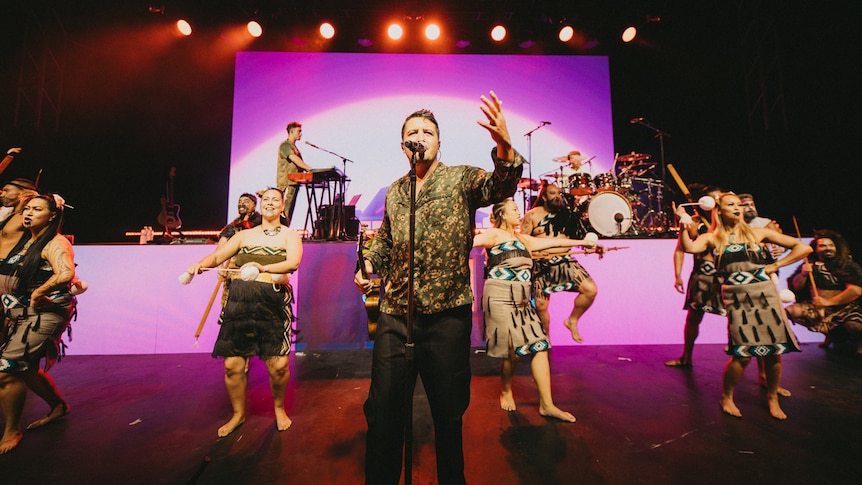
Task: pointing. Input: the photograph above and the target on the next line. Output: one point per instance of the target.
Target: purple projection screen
(353, 105)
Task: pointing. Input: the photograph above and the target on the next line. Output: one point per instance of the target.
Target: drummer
(575, 164)
(579, 181)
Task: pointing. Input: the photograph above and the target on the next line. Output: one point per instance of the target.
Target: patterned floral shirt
(445, 219)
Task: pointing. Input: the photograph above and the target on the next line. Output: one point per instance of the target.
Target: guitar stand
(169, 238)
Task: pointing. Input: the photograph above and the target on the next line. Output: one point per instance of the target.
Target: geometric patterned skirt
(756, 321)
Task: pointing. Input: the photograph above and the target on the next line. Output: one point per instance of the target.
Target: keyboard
(317, 175)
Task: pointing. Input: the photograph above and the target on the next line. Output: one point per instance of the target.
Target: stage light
(395, 31)
(184, 27)
(365, 42)
(432, 31)
(566, 33)
(462, 43)
(629, 34)
(254, 28)
(498, 33)
(327, 31)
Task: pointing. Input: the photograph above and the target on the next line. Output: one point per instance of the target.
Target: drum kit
(624, 202)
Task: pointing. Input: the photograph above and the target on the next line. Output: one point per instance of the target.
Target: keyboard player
(290, 161)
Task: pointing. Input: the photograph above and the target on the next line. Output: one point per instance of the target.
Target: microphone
(546, 123)
(313, 145)
(415, 146)
(636, 120)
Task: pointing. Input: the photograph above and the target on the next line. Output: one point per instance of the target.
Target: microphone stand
(409, 346)
(529, 136)
(660, 135)
(341, 193)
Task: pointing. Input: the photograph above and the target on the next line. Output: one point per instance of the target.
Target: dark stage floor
(153, 419)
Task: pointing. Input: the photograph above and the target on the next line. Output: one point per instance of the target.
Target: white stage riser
(135, 305)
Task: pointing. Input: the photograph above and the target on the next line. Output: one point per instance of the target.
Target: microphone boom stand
(660, 135)
(409, 346)
(529, 136)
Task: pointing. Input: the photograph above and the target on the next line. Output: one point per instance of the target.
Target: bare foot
(282, 421)
(774, 408)
(572, 325)
(557, 413)
(728, 407)
(683, 363)
(57, 412)
(781, 391)
(507, 401)
(229, 427)
(10, 441)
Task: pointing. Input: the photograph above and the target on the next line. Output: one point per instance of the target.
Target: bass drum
(610, 214)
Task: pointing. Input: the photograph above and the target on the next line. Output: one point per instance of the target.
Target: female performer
(258, 316)
(756, 321)
(512, 327)
(35, 280)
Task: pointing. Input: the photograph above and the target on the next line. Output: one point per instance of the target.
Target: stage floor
(153, 418)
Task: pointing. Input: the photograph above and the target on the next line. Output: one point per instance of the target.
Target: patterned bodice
(260, 254)
(740, 265)
(509, 260)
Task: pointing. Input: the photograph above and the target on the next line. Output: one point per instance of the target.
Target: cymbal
(563, 159)
(641, 165)
(633, 157)
(529, 184)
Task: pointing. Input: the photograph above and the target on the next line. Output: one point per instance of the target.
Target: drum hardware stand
(529, 136)
(634, 227)
(660, 135)
(526, 195)
(619, 218)
(653, 218)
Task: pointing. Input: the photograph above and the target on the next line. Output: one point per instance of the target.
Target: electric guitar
(169, 218)
(372, 298)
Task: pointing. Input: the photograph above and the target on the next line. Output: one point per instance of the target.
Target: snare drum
(605, 182)
(624, 183)
(581, 184)
(610, 214)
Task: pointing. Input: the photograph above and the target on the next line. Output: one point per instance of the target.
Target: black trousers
(442, 360)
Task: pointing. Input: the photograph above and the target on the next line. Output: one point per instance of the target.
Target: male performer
(10, 155)
(576, 164)
(835, 309)
(753, 219)
(446, 202)
(290, 161)
(551, 217)
(248, 217)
